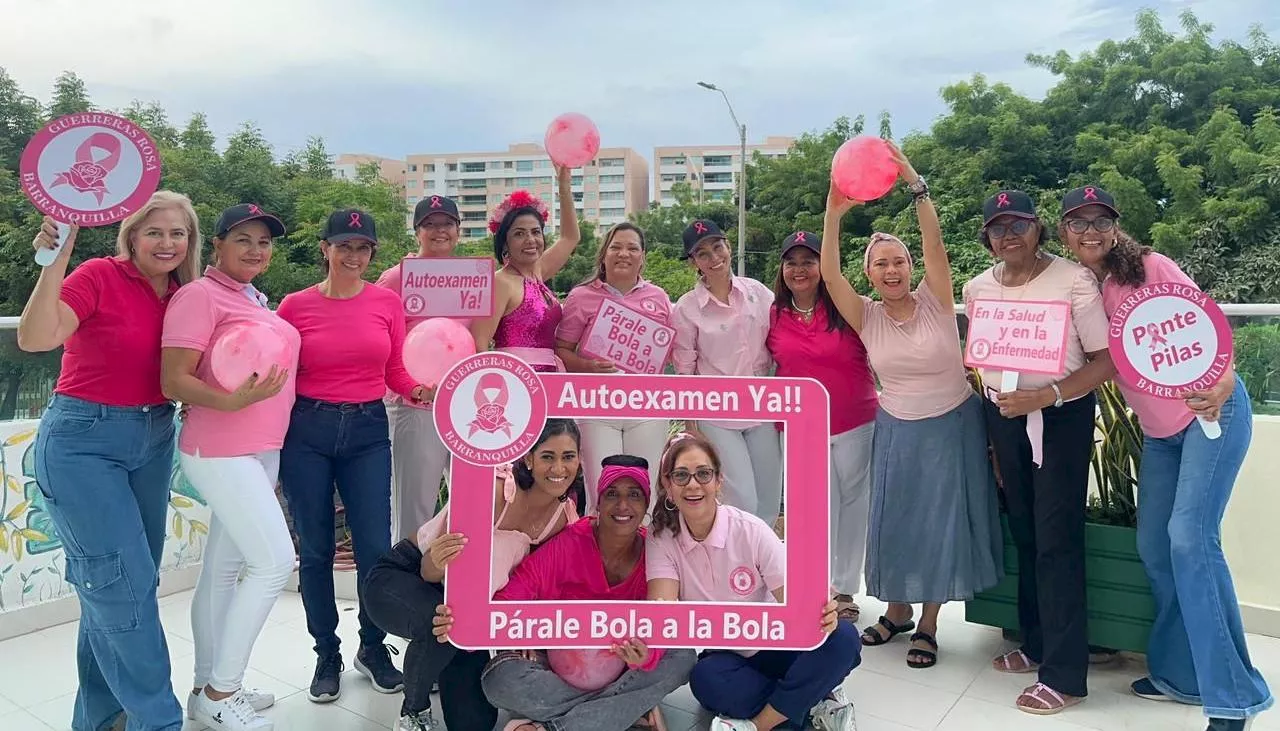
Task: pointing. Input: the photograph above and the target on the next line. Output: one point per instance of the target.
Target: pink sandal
(1005, 663)
(1046, 700)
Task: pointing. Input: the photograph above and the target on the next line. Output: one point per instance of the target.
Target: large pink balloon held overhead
(586, 669)
(434, 346)
(864, 168)
(572, 140)
(245, 349)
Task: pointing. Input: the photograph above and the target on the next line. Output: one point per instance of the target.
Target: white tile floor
(37, 683)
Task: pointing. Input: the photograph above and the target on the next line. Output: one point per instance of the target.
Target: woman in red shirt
(352, 337)
(104, 451)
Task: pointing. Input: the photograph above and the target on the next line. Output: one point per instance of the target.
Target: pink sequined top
(532, 325)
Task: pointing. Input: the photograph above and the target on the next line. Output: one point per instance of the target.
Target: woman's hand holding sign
(1207, 404)
(442, 623)
(830, 617)
(1024, 401)
(445, 549)
(47, 240)
(633, 652)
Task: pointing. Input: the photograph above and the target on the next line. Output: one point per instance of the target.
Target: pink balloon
(864, 168)
(586, 669)
(434, 346)
(572, 140)
(247, 348)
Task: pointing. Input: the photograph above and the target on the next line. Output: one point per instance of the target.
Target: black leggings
(401, 603)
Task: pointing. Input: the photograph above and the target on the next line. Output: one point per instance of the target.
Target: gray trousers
(751, 460)
(530, 689)
(418, 461)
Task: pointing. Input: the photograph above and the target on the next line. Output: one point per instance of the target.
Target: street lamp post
(742, 179)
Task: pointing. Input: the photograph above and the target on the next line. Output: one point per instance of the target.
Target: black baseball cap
(435, 204)
(1088, 195)
(697, 232)
(236, 215)
(806, 239)
(349, 224)
(1008, 202)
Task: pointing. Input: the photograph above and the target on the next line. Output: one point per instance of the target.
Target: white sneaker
(422, 721)
(259, 699)
(230, 714)
(720, 723)
(834, 713)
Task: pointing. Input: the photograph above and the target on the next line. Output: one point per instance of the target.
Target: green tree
(69, 95)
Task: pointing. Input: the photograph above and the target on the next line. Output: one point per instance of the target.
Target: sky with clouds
(393, 77)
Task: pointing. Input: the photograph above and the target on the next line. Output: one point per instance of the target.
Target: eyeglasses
(1101, 224)
(1017, 228)
(704, 475)
(437, 225)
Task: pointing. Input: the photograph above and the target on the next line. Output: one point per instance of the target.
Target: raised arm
(937, 268)
(846, 300)
(554, 258)
(47, 321)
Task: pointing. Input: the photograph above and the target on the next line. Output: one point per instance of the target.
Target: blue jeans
(791, 681)
(104, 474)
(1197, 652)
(347, 445)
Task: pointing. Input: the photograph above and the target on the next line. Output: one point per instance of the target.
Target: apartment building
(606, 191)
(346, 165)
(710, 170)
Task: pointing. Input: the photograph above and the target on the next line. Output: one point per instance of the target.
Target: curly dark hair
(1124, 261)
(668, 518)
(555, 427)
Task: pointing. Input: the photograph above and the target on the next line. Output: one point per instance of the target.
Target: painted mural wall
(31, 556)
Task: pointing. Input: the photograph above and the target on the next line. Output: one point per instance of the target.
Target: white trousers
(247, 532)
(606, 437)
(850, 478)
(418, 461)
(751, 460)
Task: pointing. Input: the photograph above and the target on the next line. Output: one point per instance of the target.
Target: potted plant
(1120, 606)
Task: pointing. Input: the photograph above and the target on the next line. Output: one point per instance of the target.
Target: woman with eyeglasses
(721, 326)
(1042, 437)
(696, 545)
(934, 522)
(1198, 653)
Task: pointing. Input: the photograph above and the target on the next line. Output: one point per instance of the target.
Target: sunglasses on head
(681, 477)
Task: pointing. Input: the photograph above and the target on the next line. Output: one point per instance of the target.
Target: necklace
(801, 310)
(1030, 275)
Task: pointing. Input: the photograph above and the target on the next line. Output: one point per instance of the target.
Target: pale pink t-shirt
(1159, 417)
(584, 301)
(919, 362)
(390, 279)
(740, 560)
(1063, 281)
(199, 314)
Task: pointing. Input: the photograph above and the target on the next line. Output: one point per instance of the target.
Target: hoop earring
(668, 504)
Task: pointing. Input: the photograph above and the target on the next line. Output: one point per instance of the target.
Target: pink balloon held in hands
(572, 140)
(586, 669)
(864, 168)
(247, 348)
(434, 346)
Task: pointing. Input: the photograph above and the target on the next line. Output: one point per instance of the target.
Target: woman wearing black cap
(1198, 652)
(418, 456)
(525, 310)
(1042, 437)
(352, 336)
(229, 449)
(721, 326)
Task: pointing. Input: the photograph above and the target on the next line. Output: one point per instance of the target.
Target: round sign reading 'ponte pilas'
(1169, 338)
(91, 169)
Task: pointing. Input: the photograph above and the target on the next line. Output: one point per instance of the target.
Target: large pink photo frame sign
(491, 408)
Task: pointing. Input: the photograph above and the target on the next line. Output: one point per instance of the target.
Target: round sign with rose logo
(490, 409)
(90, 168)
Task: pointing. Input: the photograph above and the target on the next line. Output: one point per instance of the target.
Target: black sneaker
(326, 684)
(375, 664)
(1229, 724)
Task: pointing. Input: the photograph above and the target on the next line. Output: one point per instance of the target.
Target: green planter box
(1120, 605)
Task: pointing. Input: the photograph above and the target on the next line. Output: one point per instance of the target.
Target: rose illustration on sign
(661, 338)
(86, 175)
(981, 349)
(413, 304)
(491, 412)
(742, 581)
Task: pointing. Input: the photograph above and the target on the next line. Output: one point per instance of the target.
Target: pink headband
(880, 238)
(612, 473)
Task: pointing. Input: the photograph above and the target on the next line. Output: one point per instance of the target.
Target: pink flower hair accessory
(518, 199)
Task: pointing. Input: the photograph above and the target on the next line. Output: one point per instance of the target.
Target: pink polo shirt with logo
(584, 301)
(1159, 417)
(198, 316)
(391, 279)
(718, 339)
(740, 560)
(113, 357)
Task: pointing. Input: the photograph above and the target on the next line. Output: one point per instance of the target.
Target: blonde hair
(189, 269)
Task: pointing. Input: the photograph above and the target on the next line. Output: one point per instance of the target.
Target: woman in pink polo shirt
(696, 545)
(809, 338)
(229, 448)
(619, 264)
(352, 338)
(418, 456)
(525, 310)
(104, 451)
(721, 326)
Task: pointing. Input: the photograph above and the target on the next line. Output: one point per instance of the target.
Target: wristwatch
(919, 189)
(1057, 392)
